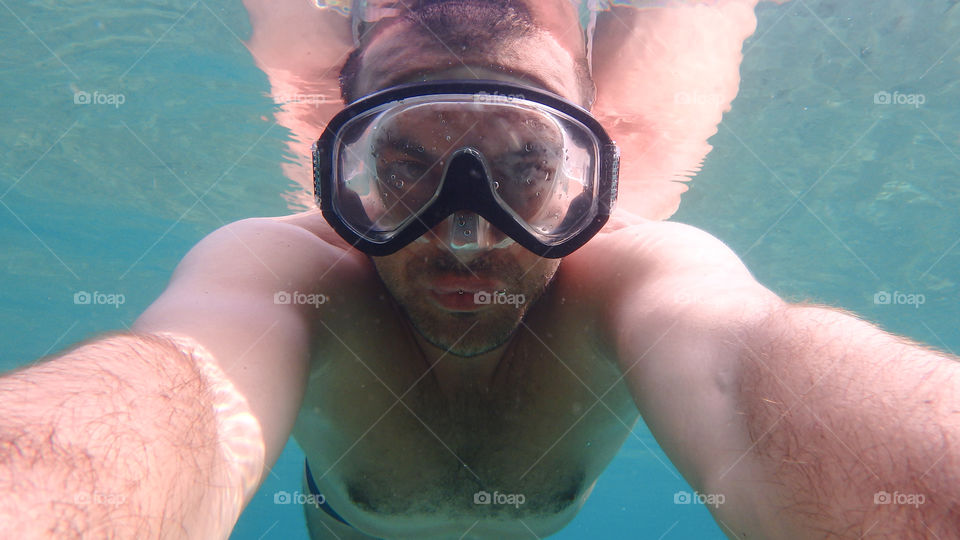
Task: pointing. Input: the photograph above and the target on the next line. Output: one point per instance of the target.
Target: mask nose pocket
(465, 231)
(467, 174)
(466, 171)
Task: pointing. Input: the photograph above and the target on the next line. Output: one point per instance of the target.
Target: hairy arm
(166, 433)
(858, 431)
(808, 421)
(117, 438)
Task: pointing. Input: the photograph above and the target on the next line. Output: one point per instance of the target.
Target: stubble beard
(464, 334)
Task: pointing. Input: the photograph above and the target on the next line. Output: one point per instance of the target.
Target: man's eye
(530, 171)
(401, 174)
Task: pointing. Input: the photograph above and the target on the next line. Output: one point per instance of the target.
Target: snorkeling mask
(498, 161)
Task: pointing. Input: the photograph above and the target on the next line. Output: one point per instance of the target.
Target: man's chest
(378, 429)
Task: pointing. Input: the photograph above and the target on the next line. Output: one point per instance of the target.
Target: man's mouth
(461, 293)
(463, 284)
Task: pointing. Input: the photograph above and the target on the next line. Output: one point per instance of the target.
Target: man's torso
(394, 452)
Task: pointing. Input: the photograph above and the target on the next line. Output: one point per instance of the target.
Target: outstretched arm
(809, 421)
(167, 433)
(120, 438)
(857, 431)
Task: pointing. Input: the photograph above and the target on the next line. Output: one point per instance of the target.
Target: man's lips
(459, 293)
(458, 284)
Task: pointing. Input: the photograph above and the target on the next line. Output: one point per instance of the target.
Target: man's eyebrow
(395, 143)
(406, 146)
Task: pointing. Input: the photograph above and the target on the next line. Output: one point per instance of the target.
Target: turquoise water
(104, 198)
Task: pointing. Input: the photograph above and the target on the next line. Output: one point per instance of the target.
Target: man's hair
(480, 26)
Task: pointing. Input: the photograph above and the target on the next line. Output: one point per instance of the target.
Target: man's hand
(800, 416)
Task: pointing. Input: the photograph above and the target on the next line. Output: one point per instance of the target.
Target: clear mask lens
(541, 166)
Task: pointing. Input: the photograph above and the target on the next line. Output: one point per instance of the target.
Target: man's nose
(466, 235)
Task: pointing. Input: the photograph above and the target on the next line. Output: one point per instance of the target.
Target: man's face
(434, 283)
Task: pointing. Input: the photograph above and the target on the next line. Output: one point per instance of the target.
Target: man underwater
(465, 319)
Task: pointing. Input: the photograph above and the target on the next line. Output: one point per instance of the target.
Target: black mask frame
(474, 191)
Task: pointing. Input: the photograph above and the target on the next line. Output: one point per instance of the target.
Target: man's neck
(456, 373)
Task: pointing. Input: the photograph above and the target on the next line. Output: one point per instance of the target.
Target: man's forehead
(465, 121)
(405, 53)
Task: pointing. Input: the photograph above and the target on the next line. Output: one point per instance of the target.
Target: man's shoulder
(296, 247)
(304, 228)
(311, 221)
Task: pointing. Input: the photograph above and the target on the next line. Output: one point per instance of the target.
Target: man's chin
(467, 334)
(467, 351)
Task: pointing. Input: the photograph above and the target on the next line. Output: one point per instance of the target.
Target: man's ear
(301, 48)
(664, 77)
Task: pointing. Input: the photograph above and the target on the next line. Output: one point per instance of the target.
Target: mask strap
(366, 13)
